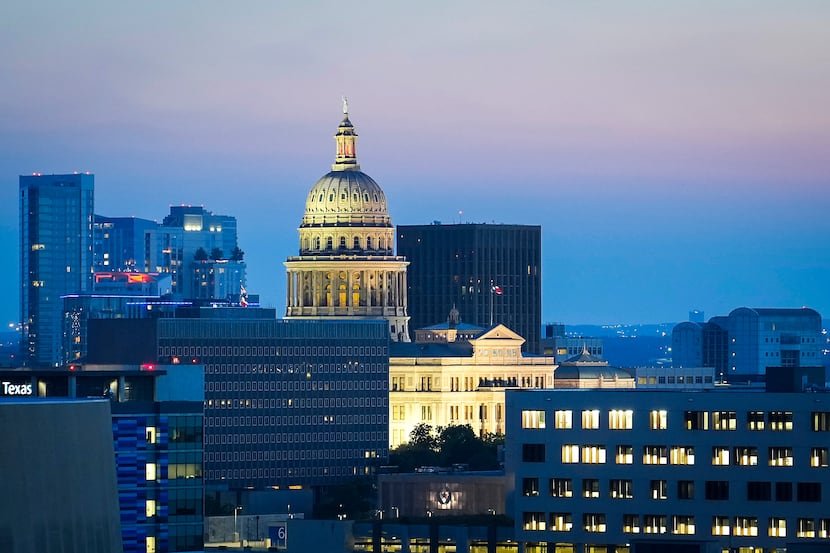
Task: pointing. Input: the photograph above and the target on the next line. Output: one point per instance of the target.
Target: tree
(237, 254)
(454, 444)
(216, 254)
(200, 255)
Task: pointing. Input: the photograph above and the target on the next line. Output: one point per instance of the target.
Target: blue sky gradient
(675, 154)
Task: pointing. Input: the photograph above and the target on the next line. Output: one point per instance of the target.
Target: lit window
(683, 524)
(824, 528)
(625, 455)
(564, 419)
(530, 487)
(561, 522)
(590, 488)
(696, 420)
(151, 434)
(658, 419)
(590, 419)
(821, 421)
(818, 457)
(720, 526)
(151, 544)
(682, 455)
(746, 456)
(659, 489)
(745, 526)
(781, 421)
(724, 420)
(806, 528)
(621, 489)
(619, 419)
(594, 522)
(720, 455)
(150, 472)
(570, 453)
(654, 524)
(533, 419)
(755, 420)
(533, 521)
(780, 457)
(777, 527)
(655, 455)
(593, 454)
(150, 508)
(561, 487)
(631, 524)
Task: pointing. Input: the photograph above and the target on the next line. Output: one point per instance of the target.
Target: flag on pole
(496, 290)
(243, 296)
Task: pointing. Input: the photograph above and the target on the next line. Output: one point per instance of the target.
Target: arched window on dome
(368, 242)
(381, 243)
(342, 242)
(356, 243)
(321, 197)
(329, 241)
(354, 197)
(343, 196)
(331, 197)
(376, 197)
(305, 243)
(365, 197)
(317, 243)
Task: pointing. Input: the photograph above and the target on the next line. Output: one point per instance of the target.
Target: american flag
(243, 296)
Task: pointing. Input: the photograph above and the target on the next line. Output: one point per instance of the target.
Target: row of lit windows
(296, 420)
(378, 402)
(623, 419)
(284, 472)
(293, 437)
(297, 386)
(716, 490)
(777, 456)
(270, 351)
(256, 372)
(289, 455)
(676, 524)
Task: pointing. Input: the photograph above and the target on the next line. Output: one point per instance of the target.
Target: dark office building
(55, 257)
(288, 402)
(119, 243)
(491, 273)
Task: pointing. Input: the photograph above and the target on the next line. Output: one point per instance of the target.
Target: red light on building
(148, 367)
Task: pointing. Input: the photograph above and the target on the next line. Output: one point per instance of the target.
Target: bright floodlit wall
(738, 468)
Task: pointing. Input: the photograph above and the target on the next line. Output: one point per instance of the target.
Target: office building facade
(56, 257)
(741, 345)
(119, 243)
(347, 267)
(643, 471)
(491, 273)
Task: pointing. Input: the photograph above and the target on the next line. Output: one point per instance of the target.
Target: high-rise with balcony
(56, 216)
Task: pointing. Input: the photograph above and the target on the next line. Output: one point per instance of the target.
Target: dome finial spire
(346, 159)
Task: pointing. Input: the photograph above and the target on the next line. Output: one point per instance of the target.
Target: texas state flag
(496, 290)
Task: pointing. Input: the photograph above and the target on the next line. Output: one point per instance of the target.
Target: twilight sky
(676, 154)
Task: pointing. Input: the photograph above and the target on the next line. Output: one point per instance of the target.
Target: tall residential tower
(56, 216)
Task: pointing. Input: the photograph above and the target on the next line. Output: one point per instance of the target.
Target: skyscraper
(347, 267)
(56, 215)
(490, 273)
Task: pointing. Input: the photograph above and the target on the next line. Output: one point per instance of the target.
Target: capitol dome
(345, 211)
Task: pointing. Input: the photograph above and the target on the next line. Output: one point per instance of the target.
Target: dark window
(530, 486)
(783, 491)
(758, 491)
(809, 491)
(533, 453)
(685, 489)
(717, 490)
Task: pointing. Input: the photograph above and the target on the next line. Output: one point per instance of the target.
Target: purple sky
(677, 155)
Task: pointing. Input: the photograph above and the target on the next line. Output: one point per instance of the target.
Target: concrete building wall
(57, 478)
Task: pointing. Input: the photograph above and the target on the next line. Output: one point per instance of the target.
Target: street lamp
(235, 531)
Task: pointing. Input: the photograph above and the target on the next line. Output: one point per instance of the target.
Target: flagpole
(492, 292)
